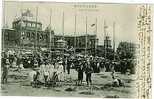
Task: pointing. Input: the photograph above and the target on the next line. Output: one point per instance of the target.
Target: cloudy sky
(124, 15)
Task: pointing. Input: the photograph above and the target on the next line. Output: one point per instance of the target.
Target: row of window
(32, 35)
(34, 25)
(28, 24)
(79, 42)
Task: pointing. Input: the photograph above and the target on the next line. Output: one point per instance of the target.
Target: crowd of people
(48, 70)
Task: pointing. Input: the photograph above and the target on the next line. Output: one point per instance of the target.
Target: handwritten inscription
(144, 52)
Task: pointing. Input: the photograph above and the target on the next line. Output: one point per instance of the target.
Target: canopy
(80, 55)
(61, 41)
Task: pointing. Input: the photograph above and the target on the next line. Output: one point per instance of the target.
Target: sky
(124, 16)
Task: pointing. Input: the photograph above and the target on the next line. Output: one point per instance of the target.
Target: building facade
(27, 33)
(78, 43)
(30, 33)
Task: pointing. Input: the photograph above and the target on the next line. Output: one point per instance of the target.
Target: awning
(61, 41)
(43, 49)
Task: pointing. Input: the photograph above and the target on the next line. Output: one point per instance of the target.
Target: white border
(96, 1)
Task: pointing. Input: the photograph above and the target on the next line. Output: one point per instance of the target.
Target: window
(28, 34)
(39, 26)
(33, 35)
(33, 24)
(29, 24)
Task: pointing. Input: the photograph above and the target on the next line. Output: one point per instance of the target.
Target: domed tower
(28, 28)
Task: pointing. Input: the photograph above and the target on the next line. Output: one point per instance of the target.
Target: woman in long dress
(51, 71)
(42, 69)
(14, 62)
(46, 73)
(60, 72)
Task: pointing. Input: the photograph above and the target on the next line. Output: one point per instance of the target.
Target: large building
(27, 33)
(9, 38)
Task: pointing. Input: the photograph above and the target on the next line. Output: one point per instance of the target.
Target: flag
(93, 25)
(105, 26)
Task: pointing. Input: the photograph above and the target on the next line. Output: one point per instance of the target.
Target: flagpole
(114, 39)
(36, 29)
(75, 35)
(3, 42)
(96, 38)
(86, 37)
(50, 30)
(21, 45)
(63, 31)
(63, 25)
(104, 38)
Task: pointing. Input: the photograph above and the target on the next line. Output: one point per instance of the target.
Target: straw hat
(60, 62)
(7, 61)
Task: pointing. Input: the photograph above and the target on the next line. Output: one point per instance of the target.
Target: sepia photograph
(76, 49)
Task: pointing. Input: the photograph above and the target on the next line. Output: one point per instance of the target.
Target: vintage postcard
(76, 49)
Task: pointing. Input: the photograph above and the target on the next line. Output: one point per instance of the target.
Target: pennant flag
(105, 26)
(93, 25)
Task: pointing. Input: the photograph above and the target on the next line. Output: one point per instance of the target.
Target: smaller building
(126, 50)
(78, 43)
(61, 44)
(9, 38)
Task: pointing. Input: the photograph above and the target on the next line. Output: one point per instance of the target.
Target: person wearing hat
(80, 70)
(5, 71)
(36, 78)
(69, 62)
(46, 72)
(42, 70)
(60, 71)
(20, 67)
(123, 66)
(112, 67)
(35, 63)
(14, 61)
(88, 72)
(32, 75)
(51, 71)
(65, 63)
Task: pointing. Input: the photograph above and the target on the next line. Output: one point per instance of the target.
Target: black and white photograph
(76, 49)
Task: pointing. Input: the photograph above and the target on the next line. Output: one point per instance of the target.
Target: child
(117, 82)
